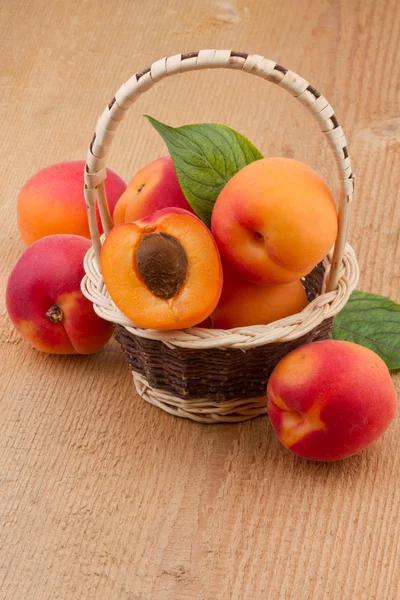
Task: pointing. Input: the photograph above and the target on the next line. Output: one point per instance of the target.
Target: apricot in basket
(164, 271)
(152, 188)
(243, 303)
(274, 220)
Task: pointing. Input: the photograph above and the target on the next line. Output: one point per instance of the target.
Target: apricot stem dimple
(140, 188)
(55, 314)
(296, 425)
(162, 264)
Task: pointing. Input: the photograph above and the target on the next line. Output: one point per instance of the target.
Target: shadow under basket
(218, 375)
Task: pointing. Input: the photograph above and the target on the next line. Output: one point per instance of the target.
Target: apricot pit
(162, 264)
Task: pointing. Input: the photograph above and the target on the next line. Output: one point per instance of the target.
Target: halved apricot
(164, 271)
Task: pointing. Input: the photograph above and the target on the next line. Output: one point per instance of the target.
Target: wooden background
(101, 495)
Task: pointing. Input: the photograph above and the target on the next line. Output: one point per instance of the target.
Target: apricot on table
(274, 220)
(330, 399)
(52, 201)
(153, 188)
(45, 302)
(164, 271)
(243, 303)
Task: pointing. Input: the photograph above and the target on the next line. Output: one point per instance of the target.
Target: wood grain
(103, 496)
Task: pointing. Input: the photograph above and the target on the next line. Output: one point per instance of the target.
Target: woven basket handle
(95, 171)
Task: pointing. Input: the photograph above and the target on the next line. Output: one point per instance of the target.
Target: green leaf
(372, 321)
(205, 157)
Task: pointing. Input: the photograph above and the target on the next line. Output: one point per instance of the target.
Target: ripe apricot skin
(152, 188)
(330, 399)
(52, 201)
(243, 303)
(49, 274)
(274, 220)
(196, 296)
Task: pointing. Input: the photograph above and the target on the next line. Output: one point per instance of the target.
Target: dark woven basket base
(215, 373)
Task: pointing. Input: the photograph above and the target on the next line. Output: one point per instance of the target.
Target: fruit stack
(217, 238)
(215, 267)
(44, 298)
(272, 223)
(164, 269)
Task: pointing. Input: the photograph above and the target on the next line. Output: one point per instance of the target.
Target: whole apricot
(243, 303)
(164, 271)
(274, 220)
(52, 201)
(153, 188)
(45, 302)
(328, 400)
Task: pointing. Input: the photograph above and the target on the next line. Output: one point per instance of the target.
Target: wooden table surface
(101, 495)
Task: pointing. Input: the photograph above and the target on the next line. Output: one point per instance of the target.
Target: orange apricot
(52, 201)
(243, 303)
(164, 271)
(153, 188)
(274, 220)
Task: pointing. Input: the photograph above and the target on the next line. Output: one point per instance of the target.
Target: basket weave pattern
(218, 375)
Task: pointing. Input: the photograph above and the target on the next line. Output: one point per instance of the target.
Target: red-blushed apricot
(274, 220)
(44, 300)
(164, 271)
(153, 188)
(328, 400)
(52, 201)
(243, 303)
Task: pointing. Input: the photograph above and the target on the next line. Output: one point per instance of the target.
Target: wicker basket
(210, 375)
